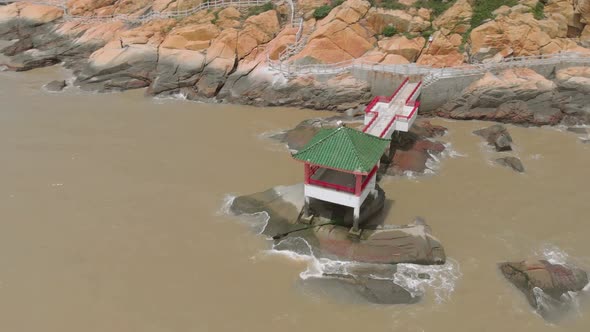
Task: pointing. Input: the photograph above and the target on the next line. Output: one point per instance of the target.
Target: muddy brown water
(110, 220)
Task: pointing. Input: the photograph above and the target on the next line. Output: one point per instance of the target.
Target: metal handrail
(429, 74)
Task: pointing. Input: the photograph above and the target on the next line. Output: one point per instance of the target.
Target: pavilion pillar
(359, 185)
(356, 218)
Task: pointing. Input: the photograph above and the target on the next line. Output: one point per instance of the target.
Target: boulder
(401, 45)
(379, 18)
(443, 51)
(496, 136)
(511, 162)
(456, 19)
(339, 36)
(412, 150)
(55, 86)
(547, 286)
(517, 95)
(410, 243)
(583, 8)
(366, 286)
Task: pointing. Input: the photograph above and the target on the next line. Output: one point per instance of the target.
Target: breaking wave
(418, 280)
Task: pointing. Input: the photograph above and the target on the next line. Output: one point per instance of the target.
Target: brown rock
(583, 8)
(457, 18)
(443, 51)
(339, 37)
(574, 78)
(191, 37)
(516, 96)
(40, 14)
(400, 45)
(379, 18)
(545, 285)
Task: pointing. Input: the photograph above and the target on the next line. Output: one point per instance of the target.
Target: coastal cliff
(222, 54)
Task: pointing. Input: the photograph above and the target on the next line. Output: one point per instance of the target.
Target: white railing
(429, 74)
(211, 4)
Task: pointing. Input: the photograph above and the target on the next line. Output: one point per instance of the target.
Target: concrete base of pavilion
(377, 243)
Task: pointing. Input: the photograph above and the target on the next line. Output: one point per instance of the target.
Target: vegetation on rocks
(389, 31)
(388, 4)
(438, 6)
(538, 10)
(324, 10)
(260, 9)
(483, 9)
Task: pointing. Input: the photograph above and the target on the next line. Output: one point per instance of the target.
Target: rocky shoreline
(221, 55)
(165, 58)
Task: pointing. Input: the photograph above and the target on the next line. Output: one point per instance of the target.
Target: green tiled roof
(344, 149)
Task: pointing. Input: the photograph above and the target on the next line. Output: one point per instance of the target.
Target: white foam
(441, 278)
(554, 254)
(450, 152)
(225, 208)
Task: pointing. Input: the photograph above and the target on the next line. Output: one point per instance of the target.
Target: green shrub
(389, 4)
(215, 17)
(482, 10)
(438, 6)
(260, 9)
(389, 31)
(539, 11)
(427, 33)
(322, 12)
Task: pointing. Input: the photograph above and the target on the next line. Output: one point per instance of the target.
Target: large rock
(517, 95)
(411, 243)
(55, 86)
(546, 286)
(456, 19)
(373, 289)
(379, 18)
(583, 8)
(518, 33)
(573, 94)
(443, 51)
(411, 151)
(496, 136)
(401, 45)
(511, 162)
(340, 36)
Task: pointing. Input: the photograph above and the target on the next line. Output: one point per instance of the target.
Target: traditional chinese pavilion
(341, 164)
(341, 167)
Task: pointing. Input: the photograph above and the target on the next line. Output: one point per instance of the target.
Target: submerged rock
(496, 136)
(546, 286)
(373, 290)
(411, 243)
(511, 162)
(55, 86)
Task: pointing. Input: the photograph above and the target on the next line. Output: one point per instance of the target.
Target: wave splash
(418, 280)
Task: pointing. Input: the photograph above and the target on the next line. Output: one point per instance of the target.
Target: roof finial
(340, 123)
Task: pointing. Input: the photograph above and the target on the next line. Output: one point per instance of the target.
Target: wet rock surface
(496, 136)
(55, 86)
(511, 162)
(548, 287)
(522, 96)
(371, 282)
(329, 235)
(409, 151)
